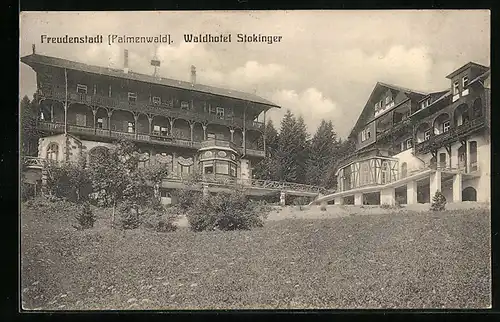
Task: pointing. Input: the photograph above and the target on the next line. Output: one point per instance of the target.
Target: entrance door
(469, 194)
(442, 160)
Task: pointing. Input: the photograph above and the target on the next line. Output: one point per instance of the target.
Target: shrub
(160, 219)
(186, 198)
(438, 202)
(385, 206)
(227, 211)
(399, 201)
(128, 215)
(70, 181)
(85, 218)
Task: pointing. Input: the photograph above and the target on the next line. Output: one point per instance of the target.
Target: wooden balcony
(394, 128)
(453, 135)
(144, 106)
(143, 137)
(212, 143)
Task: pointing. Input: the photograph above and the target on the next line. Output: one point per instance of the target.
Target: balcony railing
(454, 133)
(220, 143)
(394, 128)
(145, 106)
(142, 137)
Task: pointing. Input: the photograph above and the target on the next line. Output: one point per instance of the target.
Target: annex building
(410, 144)
(188, 127)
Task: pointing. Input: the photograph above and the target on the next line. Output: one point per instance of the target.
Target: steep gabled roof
(377, 90)
(35, 59)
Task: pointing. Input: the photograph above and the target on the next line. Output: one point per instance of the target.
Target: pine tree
(267, 169)
(323, 152)
(287, 148)
(341, 150)
(302, 153)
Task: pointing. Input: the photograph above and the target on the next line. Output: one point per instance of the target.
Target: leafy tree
(29, 133)
(116, 179)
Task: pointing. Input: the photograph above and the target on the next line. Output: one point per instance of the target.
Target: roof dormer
(461, 78)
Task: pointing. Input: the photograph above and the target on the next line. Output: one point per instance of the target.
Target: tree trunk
(113, 215)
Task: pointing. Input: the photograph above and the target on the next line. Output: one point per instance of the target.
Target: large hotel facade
(410, 144)
(188, 127)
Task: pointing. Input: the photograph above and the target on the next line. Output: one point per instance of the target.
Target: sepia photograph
(254, 160)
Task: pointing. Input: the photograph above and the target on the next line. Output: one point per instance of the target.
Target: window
(446, 126)
(100, 123)
(130, 127)
(365, 134)
(211, 110)
(232, 169)
(465, 81)
(52, 151)
(220, 112)
(211, 136)
(95, 89)
(222, 167)
(156, 100)
(185, 169)
(365, 173)
(427, 135)
(377, 106)
(82, 89)
(408, 143)
(132, 97)
(404, 170)
(208, 169)
(164, 131)
(156, 130)
(425, 103)
(455, 88)
(109, 91)
(385, 172)
(407, 114)
(388, 99)
(185, 105)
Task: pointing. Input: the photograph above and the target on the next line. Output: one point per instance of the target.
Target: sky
(325, 66)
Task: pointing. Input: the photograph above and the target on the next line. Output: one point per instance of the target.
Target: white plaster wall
(412, 162)
(484, 163)
(44, 142)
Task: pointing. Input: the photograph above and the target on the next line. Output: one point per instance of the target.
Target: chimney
(193, 75)
(33, 49)
(125, 61)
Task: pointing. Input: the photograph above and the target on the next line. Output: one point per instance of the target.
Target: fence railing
(216, 179)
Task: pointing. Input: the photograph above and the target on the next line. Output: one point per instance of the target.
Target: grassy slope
(424, 260)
